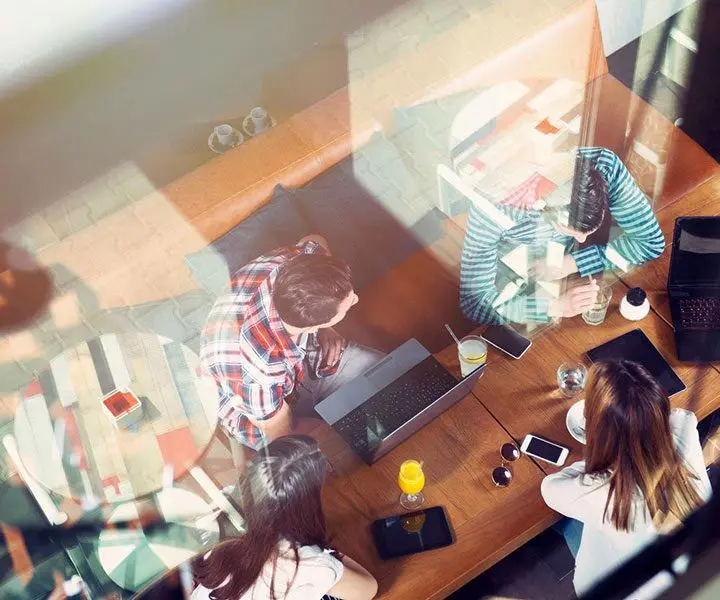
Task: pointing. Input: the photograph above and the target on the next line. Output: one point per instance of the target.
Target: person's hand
(574, 301)
(545, 272)
(58, 591)
(332, 345)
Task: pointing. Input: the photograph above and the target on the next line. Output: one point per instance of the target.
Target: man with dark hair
(602, 188)
(270, 345)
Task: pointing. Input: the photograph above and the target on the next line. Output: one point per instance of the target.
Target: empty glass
(571, 378)
(595, 315)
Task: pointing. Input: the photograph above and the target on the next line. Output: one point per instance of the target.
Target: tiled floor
(542, 569)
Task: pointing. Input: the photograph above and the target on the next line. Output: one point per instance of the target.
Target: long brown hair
(629, 440)
(281, 499)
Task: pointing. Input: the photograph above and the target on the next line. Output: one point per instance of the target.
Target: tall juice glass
(411, 480)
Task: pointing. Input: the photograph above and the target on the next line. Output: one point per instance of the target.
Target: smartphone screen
(506, 339)
(412, 532)
(543, 449)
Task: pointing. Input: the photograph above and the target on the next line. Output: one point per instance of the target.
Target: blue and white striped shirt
(486, 241)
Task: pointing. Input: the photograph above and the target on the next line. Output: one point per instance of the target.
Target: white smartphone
(544, 450)
(506, 339)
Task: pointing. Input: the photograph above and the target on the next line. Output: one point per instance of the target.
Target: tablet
(636, 346)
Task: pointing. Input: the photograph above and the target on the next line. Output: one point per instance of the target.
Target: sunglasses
(502, 475)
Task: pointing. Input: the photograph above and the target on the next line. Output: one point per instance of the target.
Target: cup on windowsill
(224, 134)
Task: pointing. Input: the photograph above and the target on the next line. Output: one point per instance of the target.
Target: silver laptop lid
(365, 386)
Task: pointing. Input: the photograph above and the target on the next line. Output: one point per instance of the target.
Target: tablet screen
(636, 346)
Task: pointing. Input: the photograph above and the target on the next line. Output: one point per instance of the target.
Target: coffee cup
(260, 120)
(224, 134)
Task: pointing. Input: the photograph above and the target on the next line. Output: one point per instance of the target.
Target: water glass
(571, 378)
(595, 315)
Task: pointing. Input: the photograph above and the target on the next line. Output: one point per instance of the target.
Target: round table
(133, 557)
(68, 442)
(513, 142)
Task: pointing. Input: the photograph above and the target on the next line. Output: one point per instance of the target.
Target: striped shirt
(486, 241)
(247, 350)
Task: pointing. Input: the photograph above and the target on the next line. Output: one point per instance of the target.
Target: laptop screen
(696, 251)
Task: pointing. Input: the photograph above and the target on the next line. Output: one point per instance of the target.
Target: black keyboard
(700, 313)
(366, 426)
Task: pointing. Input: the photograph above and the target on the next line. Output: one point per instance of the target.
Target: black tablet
(636, 346)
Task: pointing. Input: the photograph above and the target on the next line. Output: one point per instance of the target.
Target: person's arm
(478, 271)
(683, 424)
(280, 424)
(641, 239)
(263, 404)
(563, 491)
(356, 582)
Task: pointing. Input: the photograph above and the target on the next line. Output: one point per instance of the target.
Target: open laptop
(393, 399)
(694, 288)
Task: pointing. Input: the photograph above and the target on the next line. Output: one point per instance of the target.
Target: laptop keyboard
(700, 313)
(366, 426)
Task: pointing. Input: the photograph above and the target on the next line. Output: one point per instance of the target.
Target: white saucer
(249, 126)
(575, 421)
(218, 148)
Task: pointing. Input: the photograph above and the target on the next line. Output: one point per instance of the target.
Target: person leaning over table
(643, 472)
(270, 345)
(284, 553)
(601, 184)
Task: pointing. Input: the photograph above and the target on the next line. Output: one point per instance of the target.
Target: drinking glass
(411, 480)
(472, 352)
(595, 315)
(571, 378)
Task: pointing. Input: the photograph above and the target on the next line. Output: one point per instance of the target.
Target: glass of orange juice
(411, 480)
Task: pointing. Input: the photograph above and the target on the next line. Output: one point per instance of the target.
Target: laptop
(694, 288)
(392, 400)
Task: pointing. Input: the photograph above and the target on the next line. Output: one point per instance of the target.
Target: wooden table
(461, 447)
(524, 396)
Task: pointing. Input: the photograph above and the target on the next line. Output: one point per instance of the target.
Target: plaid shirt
(248, 352)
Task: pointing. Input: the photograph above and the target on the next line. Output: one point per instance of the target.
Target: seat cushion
(278, 223)
(370, 210)
(367, 206)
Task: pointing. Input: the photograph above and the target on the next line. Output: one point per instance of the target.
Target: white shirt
(317, 573)
(583, 497)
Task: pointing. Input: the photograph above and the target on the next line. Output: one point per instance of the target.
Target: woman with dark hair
(643, 471)
(284, 553)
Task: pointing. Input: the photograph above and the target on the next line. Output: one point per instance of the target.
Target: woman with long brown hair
(284, 553)
(643, 471)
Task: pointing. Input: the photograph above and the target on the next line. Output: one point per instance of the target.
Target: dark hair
(309, 288)
(589, 199)
(280, 494)
(629, 440)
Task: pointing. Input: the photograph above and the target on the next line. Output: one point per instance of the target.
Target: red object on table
(120, 402)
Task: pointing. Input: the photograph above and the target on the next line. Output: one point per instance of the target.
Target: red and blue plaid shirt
(246, 349)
